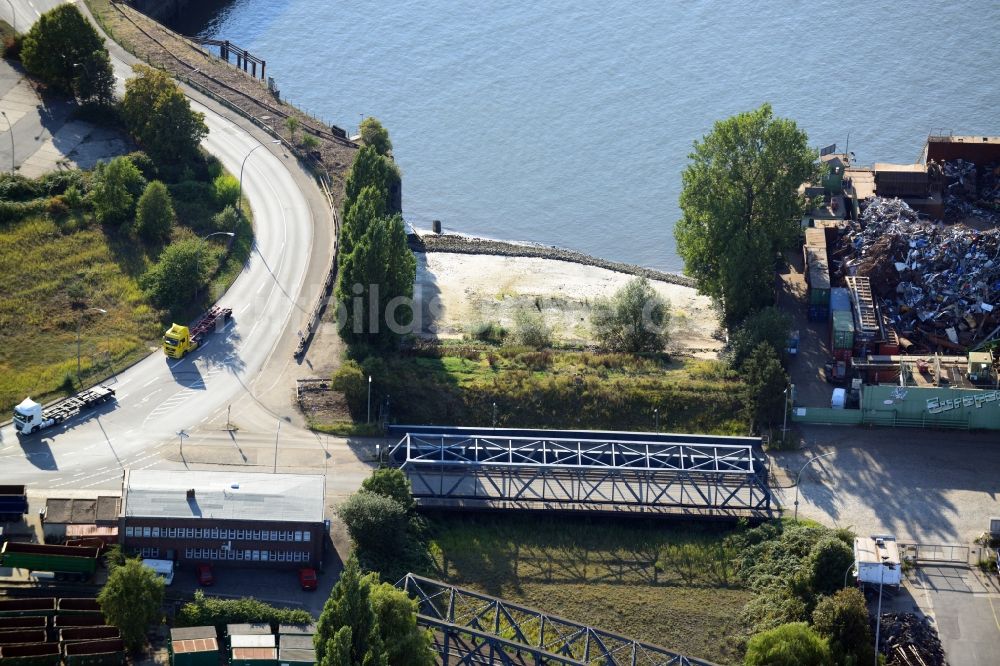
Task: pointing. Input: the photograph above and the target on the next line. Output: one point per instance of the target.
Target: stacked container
(817, 270)
(841, 330)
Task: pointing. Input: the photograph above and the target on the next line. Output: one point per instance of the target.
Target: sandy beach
(458, 291)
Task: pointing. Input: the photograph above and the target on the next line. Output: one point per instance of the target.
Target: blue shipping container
(840, 299)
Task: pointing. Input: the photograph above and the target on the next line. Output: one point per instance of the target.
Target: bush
(769, 325)
(794, 644)
(634, 320)
(391, 482)
(351, 380)
(180, 273)
(491, 332)
(843, 620)
(309, 142)
(227, 190)
(116, 186)
(531, 330)
(378, 526)
(145, 164)
(211, 611)
(12, 211)
(829, 560)
(15, 187)
(154, 215)
(228, 219)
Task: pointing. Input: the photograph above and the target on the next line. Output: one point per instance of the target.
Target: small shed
(295, 642)
(876, 561)
(252, 641)
(254, 656)
(194, 646)
(247, 629)
(296, 657)
(302, 629)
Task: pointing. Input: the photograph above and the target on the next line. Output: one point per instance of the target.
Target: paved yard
(921, 485)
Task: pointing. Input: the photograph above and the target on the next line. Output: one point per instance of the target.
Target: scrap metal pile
(971, 193)
(936, 284)
(907, 640)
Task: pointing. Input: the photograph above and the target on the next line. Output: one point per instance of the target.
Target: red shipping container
(842, 354)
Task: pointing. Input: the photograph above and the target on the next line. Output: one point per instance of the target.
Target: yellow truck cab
(177, 341)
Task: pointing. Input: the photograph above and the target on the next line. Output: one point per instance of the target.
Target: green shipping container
(39, 557)
(842, 334)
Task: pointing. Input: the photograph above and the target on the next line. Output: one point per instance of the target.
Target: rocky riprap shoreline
(468, 245)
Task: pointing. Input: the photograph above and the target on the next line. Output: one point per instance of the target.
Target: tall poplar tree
(741, 206)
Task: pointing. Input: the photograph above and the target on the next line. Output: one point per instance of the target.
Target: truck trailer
(30, 417)
(179, 340)
(877, 562)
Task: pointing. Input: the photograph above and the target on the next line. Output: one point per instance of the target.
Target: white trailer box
(876, 561)
(163, 568)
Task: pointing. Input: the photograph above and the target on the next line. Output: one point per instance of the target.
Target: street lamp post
(784, 421)
(656, 419)
(847, 572)
(808, 462)
(10, 128)
(369, 399)
(79, 324)
(239, 202)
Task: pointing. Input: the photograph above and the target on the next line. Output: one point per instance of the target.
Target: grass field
(459, 385)
(54, 273)
(666, 583)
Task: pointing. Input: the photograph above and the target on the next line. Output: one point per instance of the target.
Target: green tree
(740, 206)
(793, 644)
(769, 325)
(292, 123)
(396, 615)
(375, 286)
(393, 483)
(843, 620)
(634, 320)
(371, 169)
(181, 271)
(828, 561)
(765, 382)
(368, 207)
(154, 214)
(348, 625)
(95, 79)
(227, 219)
(227, 190)
(114, 189)
(378, 525)
(376, 136)
(131, 600)
(160, 118)
(58, 43)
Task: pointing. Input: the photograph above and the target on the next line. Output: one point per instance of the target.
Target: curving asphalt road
(242, 366)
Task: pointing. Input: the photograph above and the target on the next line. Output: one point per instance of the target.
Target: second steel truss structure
(473, 628)
(604, 474)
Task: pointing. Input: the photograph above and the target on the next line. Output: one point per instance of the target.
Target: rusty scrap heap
(936, 284)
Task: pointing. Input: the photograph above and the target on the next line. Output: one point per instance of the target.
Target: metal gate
(935, 553)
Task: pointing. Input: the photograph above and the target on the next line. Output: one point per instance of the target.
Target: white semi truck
(30, 417)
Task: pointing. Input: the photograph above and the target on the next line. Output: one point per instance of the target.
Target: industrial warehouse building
(265, 520)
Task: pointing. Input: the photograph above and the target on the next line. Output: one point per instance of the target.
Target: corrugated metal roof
(224, 495)
(298, 656)
(868, 551)
(190, 633)
(306, 629)
(195, 645)
(251, 640)
(295, 642)
(248, 629)
(255, 653)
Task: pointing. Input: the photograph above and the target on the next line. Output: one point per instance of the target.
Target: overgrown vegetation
(669, 584)
(213, 611)
(548, 388)
(634, 320)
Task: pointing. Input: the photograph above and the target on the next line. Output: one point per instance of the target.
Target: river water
(568, 122)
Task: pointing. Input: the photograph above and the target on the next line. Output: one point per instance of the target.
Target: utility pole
(276, 446)
(656, 419)
(494, 414)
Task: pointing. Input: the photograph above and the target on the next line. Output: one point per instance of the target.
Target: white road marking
(151, 382)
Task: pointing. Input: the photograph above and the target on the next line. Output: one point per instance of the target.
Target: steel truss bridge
(473, 628)
(693, 475)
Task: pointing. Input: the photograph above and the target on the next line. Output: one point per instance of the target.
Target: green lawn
(54, 272)
(459, 385)
(667, 583)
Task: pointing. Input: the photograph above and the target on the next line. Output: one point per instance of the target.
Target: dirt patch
(319, 402)
(460, 291)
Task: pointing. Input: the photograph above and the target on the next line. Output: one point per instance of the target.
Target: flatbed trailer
(179, 340)
(30, 417)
